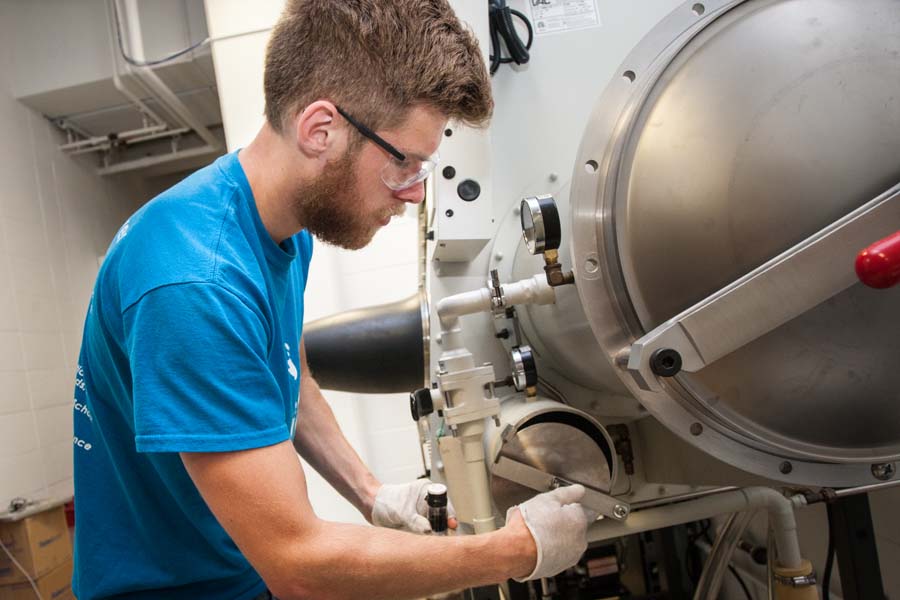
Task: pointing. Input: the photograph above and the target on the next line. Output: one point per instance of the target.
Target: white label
(554, 16)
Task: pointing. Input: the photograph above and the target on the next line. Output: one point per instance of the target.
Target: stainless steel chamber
(735, 131)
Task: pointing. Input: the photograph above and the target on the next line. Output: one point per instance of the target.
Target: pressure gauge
(540, 224)
(524, 369)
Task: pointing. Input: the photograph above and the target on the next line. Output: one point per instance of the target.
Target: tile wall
(56, 218)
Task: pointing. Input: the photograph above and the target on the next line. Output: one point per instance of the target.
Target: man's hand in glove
(558, 526)
(402, 506)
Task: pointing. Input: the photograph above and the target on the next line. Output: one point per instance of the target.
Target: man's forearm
(320, 441)
(339, 561)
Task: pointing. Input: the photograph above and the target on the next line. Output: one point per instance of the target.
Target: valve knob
(878, 266)
(420, 403)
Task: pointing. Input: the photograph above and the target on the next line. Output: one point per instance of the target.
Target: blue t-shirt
(191, 344)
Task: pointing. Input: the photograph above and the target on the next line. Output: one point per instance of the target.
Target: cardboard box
(55, 585)
(40, 542)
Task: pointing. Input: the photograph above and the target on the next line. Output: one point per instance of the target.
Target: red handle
(878, 266)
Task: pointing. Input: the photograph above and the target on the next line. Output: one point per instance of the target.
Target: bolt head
(620, 512)
(884, 471)
(785, 467)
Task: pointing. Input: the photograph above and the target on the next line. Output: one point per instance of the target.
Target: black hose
(740, 580)
(502, 28)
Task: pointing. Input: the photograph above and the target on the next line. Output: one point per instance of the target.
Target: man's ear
(317, 131)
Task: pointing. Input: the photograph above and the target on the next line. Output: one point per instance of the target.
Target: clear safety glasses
(401, 171)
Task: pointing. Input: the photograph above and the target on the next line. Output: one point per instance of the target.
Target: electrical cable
(148, 63)
(151, 63)
(502, 27)
(740, 580)
(37, 593)
(829, 559)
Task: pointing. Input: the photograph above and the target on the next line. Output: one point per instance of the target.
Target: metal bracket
(530, 477)
(783, 288)
(498, 300)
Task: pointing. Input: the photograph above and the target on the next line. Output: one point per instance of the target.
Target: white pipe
(466, 303)
(117, 81)
(472, 437)
(780, 509)
(158, 88)
(534, 290)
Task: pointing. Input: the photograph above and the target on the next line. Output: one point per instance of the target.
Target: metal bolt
(449, 212)
(553, 177)
(555, 483)
(884, 471)
(696, 429)
(785, 467)
(620, 512)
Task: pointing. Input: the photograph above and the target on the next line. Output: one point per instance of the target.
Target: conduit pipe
(719, 558)
(779, 508)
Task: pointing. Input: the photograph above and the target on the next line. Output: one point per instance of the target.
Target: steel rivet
(785, 467)
(696, 429)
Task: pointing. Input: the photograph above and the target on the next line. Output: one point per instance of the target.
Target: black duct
(377, 350)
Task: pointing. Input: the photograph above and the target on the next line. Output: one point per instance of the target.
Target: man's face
(348, 203)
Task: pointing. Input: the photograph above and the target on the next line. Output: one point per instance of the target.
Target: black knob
(468, 190)
(420, 404)
(665, 362)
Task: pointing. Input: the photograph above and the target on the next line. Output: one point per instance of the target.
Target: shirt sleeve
(201, 379)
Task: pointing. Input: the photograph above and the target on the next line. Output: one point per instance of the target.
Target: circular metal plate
(738, 134)
(555, 448)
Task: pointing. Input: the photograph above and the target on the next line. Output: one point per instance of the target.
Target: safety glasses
(401, 171)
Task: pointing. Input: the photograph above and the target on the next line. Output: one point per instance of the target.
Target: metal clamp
(498, 300)
(797, 581)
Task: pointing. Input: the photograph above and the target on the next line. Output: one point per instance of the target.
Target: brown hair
(377, 59)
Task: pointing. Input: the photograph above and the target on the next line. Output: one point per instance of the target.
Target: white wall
(56, 218)
(378, 426)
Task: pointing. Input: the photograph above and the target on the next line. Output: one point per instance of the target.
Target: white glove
(558, 524)
(403, 506)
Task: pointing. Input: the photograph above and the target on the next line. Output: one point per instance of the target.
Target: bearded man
(187, 482)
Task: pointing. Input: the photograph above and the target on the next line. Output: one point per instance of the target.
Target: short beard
(330, 207)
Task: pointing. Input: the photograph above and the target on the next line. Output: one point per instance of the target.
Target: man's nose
(413, 194)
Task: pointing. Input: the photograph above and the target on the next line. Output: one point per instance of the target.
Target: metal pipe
(103, 139)
(865, 489)
(681, 497)
(720, 555)
(780, 509)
